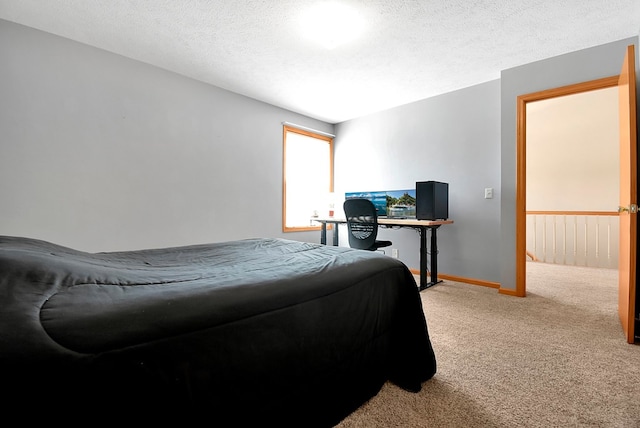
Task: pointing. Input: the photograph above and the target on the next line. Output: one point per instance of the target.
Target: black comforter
(258, 330)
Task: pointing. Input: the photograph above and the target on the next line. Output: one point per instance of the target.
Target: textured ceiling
(410, 49)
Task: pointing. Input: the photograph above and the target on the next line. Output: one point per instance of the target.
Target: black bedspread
(250, 331)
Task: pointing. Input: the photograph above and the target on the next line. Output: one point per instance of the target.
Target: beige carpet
(556, 358)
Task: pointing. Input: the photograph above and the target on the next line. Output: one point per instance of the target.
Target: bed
(244, 332)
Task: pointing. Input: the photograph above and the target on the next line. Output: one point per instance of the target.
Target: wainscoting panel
(573, 238)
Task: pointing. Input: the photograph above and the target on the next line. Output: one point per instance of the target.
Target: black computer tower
(432, 200)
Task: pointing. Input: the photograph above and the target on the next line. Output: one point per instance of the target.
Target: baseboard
(509, 292)
(473, 281)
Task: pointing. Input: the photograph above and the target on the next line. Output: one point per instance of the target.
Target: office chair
(362, 222)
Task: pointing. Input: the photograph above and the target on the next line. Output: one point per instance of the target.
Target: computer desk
(421, 225)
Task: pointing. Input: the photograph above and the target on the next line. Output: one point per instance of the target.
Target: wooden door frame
(521, 164)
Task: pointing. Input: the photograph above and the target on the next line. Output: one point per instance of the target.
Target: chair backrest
(362, 222)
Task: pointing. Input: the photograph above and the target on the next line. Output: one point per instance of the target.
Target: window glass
(307, 178)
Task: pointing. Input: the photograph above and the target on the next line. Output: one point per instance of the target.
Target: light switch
(488, 193)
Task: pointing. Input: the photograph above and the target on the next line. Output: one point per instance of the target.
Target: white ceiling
(410, 49)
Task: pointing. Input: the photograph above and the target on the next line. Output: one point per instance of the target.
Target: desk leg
(424, 284)
(423, 258)
(323, 233)
(434, 256)
(335, 234)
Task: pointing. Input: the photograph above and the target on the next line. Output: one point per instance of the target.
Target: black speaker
(432, 200)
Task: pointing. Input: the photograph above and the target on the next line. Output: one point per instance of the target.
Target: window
(307, 178)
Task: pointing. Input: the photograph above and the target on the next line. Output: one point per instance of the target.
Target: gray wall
(454, 138)
(100, 152)
(576, 67)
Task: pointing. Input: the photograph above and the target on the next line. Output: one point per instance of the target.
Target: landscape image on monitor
(379, 199)
(390, 203)
(401, 203)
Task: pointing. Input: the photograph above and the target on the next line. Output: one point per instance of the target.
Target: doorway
(573, 182)
(521, 163)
